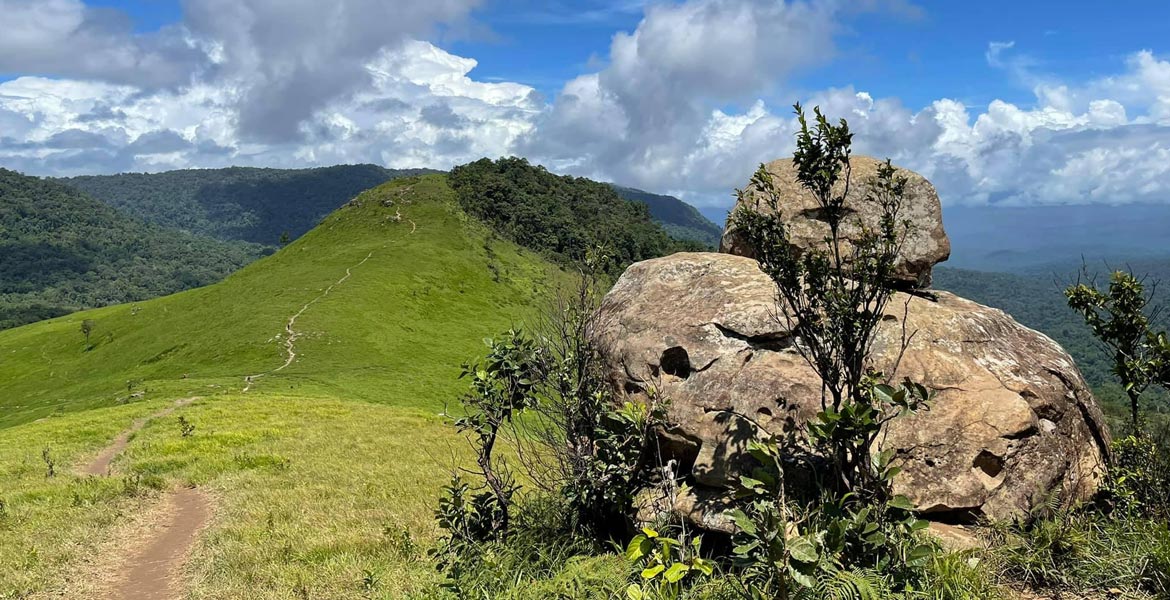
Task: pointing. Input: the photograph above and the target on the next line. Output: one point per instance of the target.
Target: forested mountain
(63, 251)
(237, 203)
(560, 216)
(1036, 299)
(679, 219)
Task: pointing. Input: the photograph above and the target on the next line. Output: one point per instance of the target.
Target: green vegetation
(321, 375)
(237, 203)
(560, 216)
(413, 307)
(681, 220)
(63, 251)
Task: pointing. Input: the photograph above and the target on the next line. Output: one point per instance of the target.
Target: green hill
(64, 251)
(425, 284)
(237, 203)
(681, 220)
(258, 205)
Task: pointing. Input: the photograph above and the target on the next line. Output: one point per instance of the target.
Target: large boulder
(926, 242)
(1011, 420)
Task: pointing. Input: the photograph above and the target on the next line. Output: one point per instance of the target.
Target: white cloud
(390, 122)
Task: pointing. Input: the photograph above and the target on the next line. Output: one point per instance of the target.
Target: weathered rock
(926, 242)
(1012, 419)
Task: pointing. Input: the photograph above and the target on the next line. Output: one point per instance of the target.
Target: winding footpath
(152, 567)
(291, 334)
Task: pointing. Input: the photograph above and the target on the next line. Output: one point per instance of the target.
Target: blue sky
(995, 101)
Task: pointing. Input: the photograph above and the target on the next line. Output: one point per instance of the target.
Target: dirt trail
(152, 568)
(291, 334)
(148, 565)
(101, 464)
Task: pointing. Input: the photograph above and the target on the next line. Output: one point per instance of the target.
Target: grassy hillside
(423, 289)
(679, 219)
(315, 493)
(237, 203)
(64, 251)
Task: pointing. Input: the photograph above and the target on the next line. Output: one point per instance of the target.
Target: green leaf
(744, 549)
(749, 482)
(639, 547)
(634, 592)
(804, 579)
(652, 572)
(901, 502)
(676, 572)
(650, 533)
(802, 549)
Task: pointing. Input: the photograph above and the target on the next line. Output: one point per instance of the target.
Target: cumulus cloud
(638, 117)
(419, 109)
(287, 59)
(68, 39)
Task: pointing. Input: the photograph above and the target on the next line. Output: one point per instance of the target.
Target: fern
(851, 585)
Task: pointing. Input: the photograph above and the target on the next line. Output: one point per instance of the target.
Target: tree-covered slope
(679, 219)
(62, 251)
(560, 216)
(237, 203)
(390, 294)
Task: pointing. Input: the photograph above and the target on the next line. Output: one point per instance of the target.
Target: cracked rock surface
(1012, 419)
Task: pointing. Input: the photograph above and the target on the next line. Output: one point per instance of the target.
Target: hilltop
(64, 251)
(423, 284)
(237, 203)
(259, 205)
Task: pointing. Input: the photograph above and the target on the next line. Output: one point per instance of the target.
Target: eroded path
(152, 568)
(148, 564)
(290, 332)
(100, 465)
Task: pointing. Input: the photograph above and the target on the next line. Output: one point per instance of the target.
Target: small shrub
(668, 566)
(50, 464)
(186, 428)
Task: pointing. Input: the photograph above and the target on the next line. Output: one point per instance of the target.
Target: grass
(325, 473)
(395, 331)
(311, 494)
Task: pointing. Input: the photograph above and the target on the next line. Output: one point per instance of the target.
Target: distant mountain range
(63, 251)
(680, 219)
(260, 205)
(237, 203)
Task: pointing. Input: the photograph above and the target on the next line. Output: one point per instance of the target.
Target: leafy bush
(562, 217)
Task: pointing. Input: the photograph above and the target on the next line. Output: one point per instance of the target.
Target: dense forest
(679, 219)
(1036, 299)
(237, 203)
(561, 216)
(64, 251)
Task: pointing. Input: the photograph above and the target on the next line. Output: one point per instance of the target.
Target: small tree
(833, 298)
(87, 326)
(1120, 319)
(284, 238)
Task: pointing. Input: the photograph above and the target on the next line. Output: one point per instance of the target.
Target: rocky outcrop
(926, 242)
(1011, 418)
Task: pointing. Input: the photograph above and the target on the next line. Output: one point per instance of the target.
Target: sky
(996, 102)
